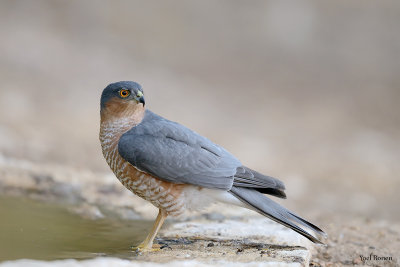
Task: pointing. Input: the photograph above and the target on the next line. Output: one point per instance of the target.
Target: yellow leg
(147, 244)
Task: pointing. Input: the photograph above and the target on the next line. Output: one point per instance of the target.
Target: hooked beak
(141, 100)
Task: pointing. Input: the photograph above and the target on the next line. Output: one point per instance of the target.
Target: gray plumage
(110, 91)
(276, 212)
(174, 153)
(245, 177)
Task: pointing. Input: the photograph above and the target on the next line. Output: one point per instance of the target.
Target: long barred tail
(276, 212)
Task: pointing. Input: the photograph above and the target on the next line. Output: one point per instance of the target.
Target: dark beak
(141, 100)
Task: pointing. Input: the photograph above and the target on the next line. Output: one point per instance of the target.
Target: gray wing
(248, 178)
(176, 154)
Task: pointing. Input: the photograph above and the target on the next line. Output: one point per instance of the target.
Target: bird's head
(122, 99)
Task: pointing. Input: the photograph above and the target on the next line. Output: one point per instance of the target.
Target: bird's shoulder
(154, 129)
(156, 126)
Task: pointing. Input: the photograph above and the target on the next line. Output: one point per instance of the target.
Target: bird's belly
(197, 198)
(163, 195)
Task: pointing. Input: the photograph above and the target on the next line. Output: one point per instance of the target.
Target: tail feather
(276, 212)
(310, 225)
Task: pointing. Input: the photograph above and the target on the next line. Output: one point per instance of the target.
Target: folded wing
(176, 154)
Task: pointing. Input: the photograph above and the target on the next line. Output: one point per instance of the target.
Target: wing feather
(248, 178)
(176, 154)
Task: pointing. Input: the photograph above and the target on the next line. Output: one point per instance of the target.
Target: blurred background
(306, 91)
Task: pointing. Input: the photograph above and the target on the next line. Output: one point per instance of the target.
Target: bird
(177, 169)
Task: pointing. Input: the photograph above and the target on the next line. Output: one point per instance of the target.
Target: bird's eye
(124, 93)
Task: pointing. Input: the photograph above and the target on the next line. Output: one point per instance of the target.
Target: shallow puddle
(37, 230)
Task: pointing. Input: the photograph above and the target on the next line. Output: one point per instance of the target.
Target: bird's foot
(146, 248)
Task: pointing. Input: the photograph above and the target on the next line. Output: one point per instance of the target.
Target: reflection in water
(36, 230)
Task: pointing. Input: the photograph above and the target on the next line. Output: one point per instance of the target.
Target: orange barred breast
(163, 195)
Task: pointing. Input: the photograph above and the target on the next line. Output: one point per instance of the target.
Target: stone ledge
(115, 262)
(219, 235)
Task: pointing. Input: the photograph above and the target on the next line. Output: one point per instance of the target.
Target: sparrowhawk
(177, 169)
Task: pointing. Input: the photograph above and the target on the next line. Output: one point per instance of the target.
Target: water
(43, 231)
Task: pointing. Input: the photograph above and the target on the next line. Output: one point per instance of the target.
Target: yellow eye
(124, 93)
